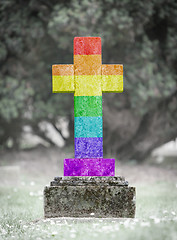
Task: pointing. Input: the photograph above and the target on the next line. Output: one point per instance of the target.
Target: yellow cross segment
(87, 85)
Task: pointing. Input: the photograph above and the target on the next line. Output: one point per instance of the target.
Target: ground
(24, 174)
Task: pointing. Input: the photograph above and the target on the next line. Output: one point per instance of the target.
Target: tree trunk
(136, 139)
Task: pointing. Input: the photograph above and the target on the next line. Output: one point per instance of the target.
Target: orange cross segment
(87, 64)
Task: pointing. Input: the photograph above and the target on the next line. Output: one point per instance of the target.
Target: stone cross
(87, 78)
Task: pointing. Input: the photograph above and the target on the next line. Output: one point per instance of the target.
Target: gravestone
(89, 187)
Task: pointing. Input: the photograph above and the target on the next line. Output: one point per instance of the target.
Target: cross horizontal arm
(63, 78)
(112, 78)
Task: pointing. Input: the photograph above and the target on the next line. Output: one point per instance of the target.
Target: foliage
(36, 34)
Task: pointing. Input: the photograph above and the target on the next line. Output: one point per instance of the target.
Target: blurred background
(141, 35)
(140, 124)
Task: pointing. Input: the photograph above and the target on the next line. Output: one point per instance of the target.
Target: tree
(141, 35)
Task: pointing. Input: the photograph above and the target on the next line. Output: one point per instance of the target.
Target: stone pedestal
(104, 197)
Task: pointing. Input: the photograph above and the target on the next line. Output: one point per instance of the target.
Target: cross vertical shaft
(88, 98)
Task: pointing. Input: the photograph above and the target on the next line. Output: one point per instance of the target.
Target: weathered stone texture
(83, 196)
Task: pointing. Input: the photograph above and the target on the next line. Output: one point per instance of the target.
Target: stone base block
(105, 197)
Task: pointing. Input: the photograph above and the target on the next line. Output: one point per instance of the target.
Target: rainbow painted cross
(87, 78)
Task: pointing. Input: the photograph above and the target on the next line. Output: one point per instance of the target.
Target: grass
(21, 216)
(21, 202)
